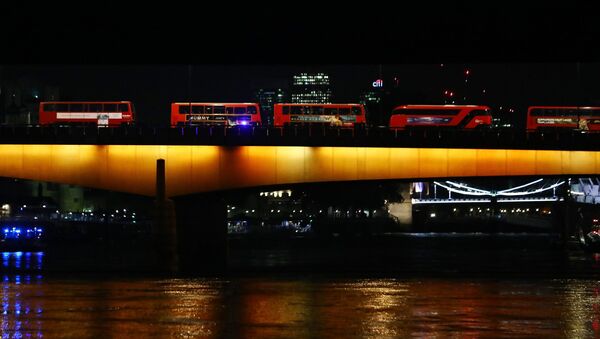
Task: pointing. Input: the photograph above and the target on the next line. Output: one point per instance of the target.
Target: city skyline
(153, 87)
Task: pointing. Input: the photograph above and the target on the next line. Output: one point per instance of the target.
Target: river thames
(422, 285)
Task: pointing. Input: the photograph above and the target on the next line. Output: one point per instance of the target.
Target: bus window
(229, 110)
(331, 111)
(240, 110)
(535, 112)
(480, 112)
(197, 109)
(123, 108)
(62, 107)
(251, 109)
(285, 110)
(75, 108)
(110, 107)
(344, 111)
(184, 109)
(551, 112)
(296, 110)
(49, 107)
(95, 108)
(219, 110)
(356, 111)
(208, 110)
(591, 112)
(318, 110)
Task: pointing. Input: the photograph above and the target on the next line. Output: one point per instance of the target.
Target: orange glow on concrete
(194, 169)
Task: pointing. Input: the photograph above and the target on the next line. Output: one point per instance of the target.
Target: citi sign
(378, 83)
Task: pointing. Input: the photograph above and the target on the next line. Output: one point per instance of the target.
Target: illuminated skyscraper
(311, 88)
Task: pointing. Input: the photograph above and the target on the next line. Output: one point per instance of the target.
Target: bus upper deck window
(251, 109)
(184, 109)
(49, 107)
(197, 109)
(240, 110)
(318, 110)
(219, 109)
(75, 108)
(95, 107)
(331, 111)
(285, 109)
(356, 110)
(122, 108)
(109, 108)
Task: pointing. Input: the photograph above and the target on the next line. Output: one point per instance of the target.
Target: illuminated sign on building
(378, 83)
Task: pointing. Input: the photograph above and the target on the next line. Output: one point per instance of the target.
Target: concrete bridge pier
(164, 231)
(565, 218)
(202, 234)
(190, 233)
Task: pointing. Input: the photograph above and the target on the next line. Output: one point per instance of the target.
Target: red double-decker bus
(211, 113)
(347, 115)
(101, 113)
(454, 116)
(549, 117)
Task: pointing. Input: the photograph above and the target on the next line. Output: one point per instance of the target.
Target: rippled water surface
(284, 308)
(427, 290)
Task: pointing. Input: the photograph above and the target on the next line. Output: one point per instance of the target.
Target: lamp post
(467, 72)
(190, 89)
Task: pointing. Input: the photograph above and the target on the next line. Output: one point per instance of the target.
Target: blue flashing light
(19, 232)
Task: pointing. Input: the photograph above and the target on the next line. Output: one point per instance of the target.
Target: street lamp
(467, 72)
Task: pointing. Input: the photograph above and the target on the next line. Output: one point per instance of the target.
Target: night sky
(153, 87)
(525, 54)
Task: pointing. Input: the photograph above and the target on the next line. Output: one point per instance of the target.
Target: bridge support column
(565, 218)
(164, 231)
(567, 224)
(202, 234)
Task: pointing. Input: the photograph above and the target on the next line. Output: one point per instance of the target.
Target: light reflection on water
(34, 305)
(21, 308)
(22, 260)
(285, 308)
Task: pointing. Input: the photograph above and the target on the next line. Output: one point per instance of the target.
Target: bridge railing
(300, 135)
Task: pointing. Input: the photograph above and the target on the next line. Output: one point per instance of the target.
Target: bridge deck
(302, 136)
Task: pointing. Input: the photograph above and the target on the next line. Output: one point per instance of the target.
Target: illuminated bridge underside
(195, 169)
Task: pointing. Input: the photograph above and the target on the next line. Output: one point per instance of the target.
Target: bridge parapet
(300, 136)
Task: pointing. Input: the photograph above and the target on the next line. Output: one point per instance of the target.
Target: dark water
(433, 287)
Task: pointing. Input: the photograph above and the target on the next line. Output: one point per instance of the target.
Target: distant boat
(21, 238)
